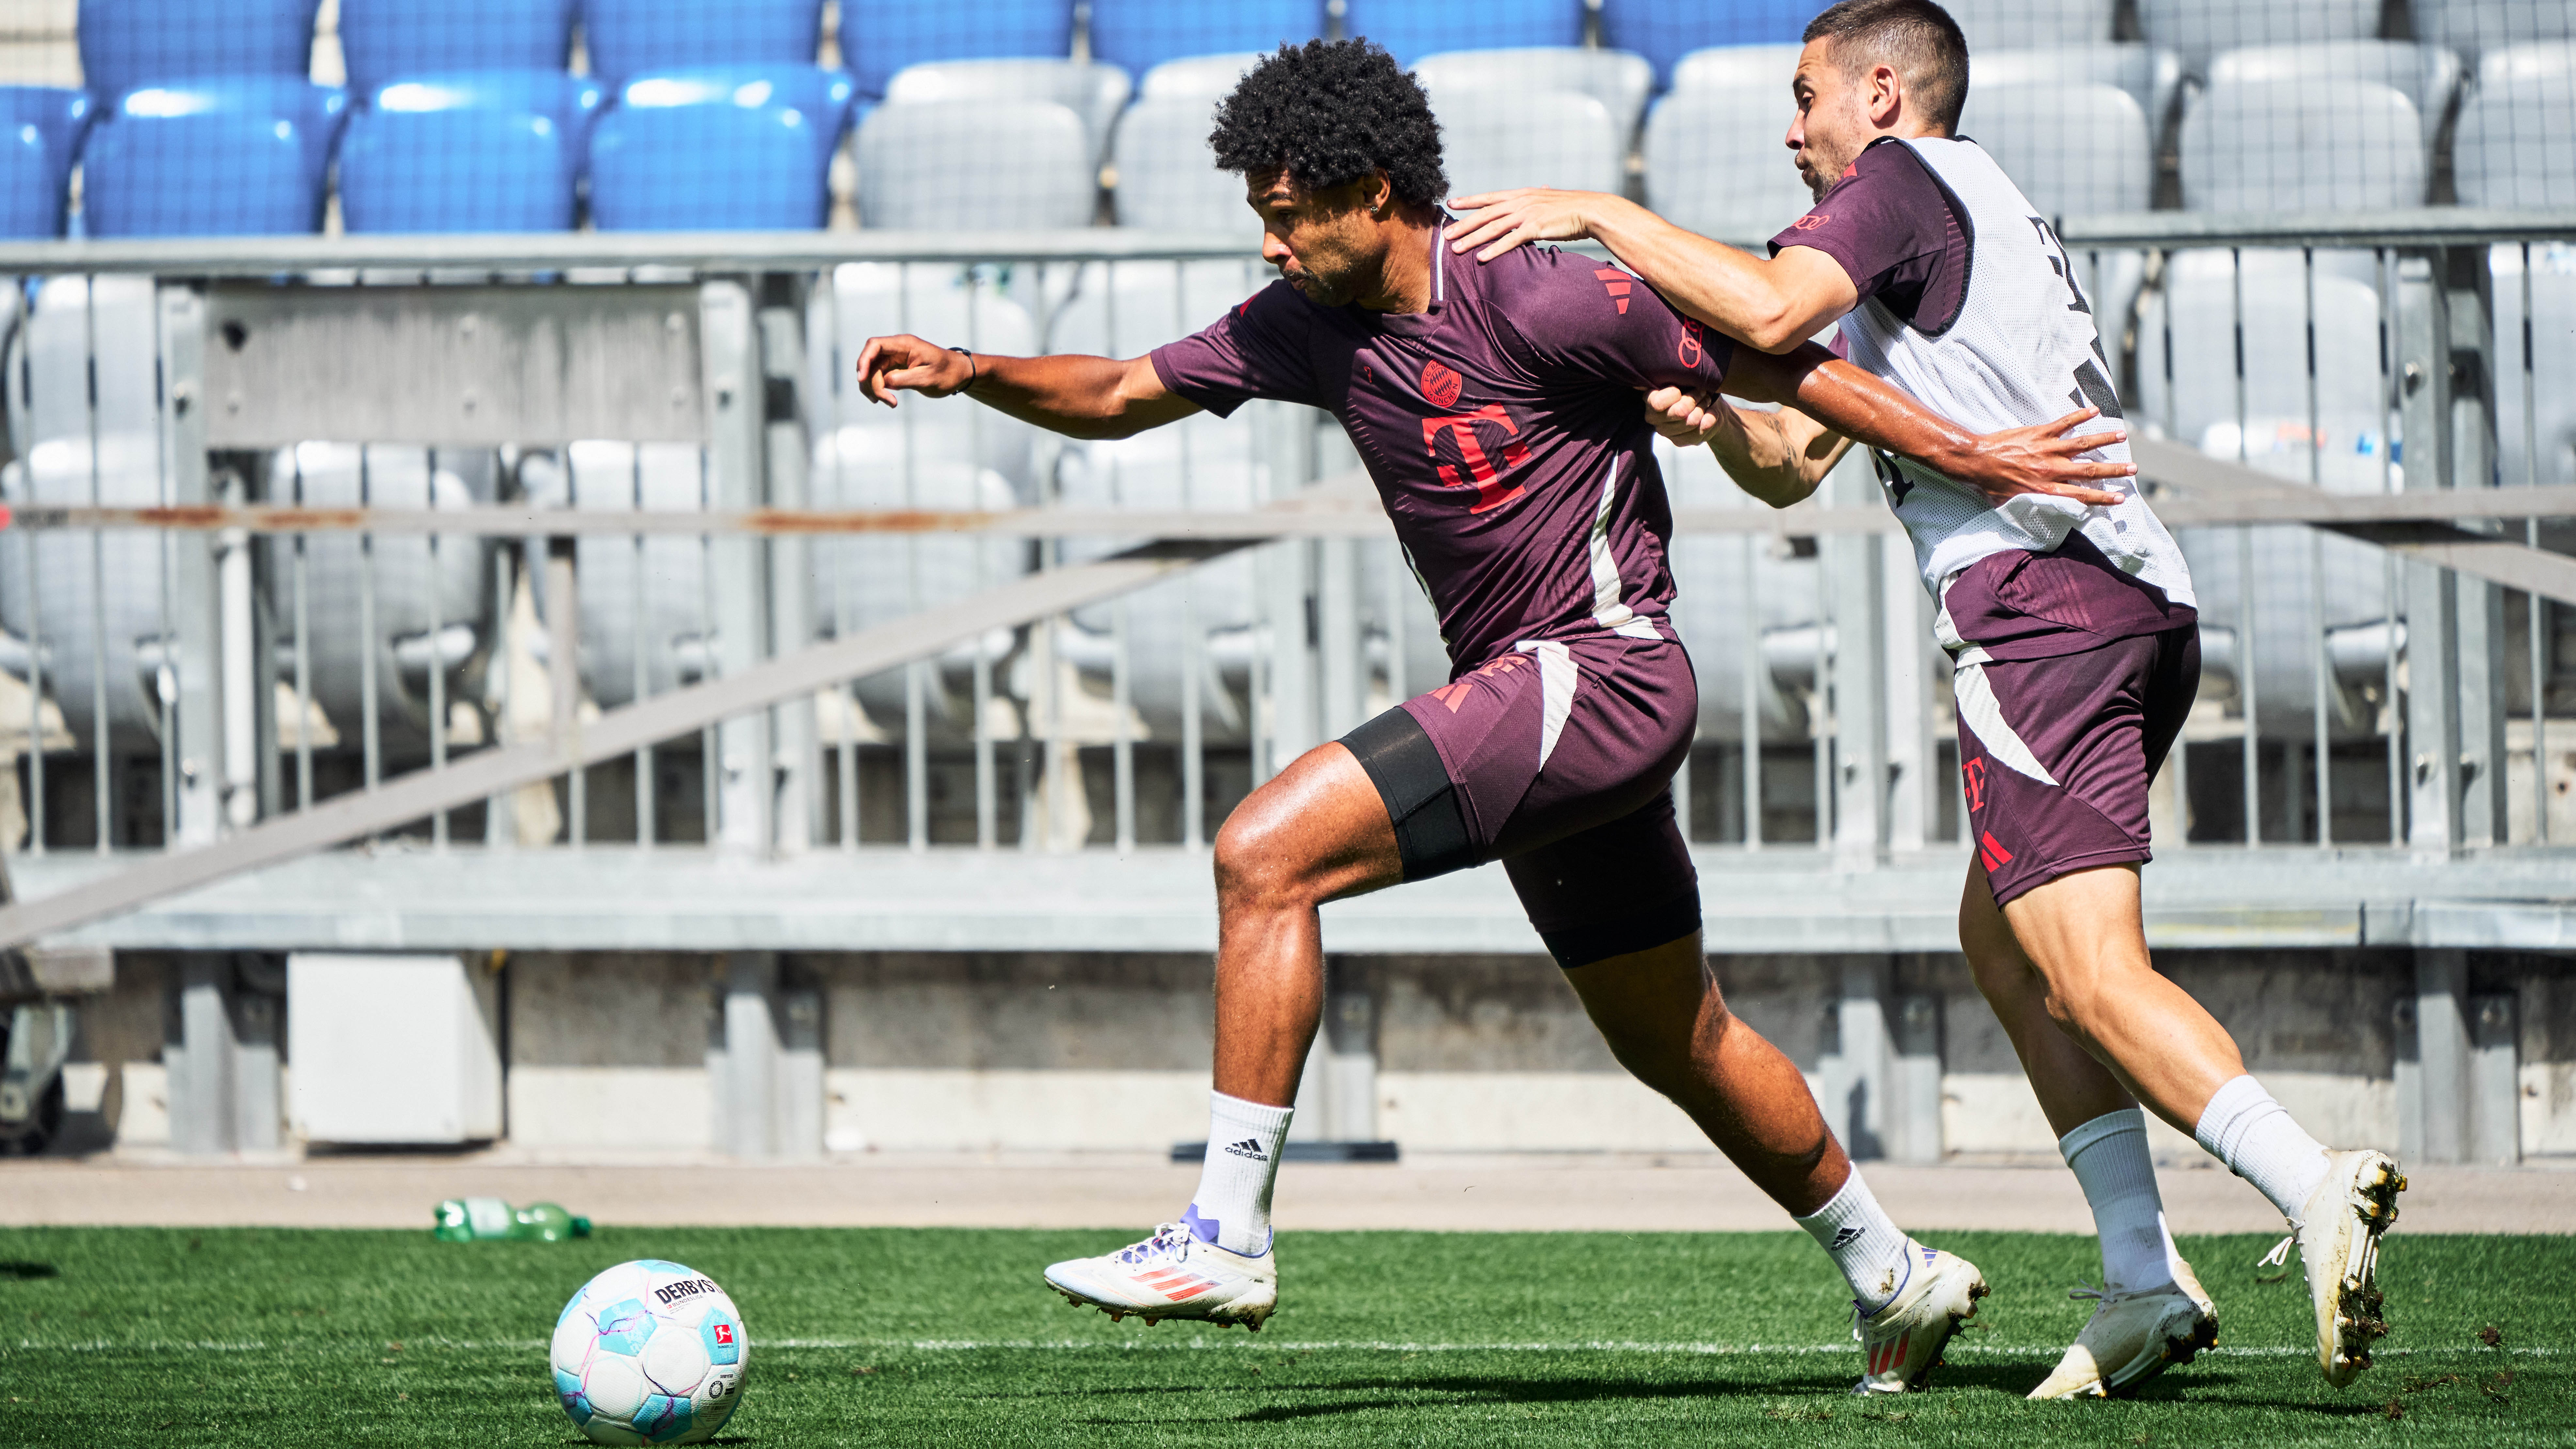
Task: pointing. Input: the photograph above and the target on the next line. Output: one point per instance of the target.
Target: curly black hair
(1331, 113)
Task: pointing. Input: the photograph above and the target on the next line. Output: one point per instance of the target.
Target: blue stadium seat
(130, 43)
(238, 157)
(722, 149)
(471, 151)
(44, 126)
(1142, 34)
(1664, 31)
(880, 37)
(627, 38)
(389, 40)
(1412, 29)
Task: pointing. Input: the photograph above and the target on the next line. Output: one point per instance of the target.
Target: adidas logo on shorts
(1248, 1147)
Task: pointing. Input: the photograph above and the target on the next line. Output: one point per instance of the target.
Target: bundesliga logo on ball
(649, 1352)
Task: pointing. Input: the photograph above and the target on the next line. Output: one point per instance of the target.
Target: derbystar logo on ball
(649, 1352)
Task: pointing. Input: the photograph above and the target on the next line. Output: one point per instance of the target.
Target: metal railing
(394, 529)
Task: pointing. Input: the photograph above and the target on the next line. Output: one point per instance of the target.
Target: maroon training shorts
(2056, 753)
(1557, 759)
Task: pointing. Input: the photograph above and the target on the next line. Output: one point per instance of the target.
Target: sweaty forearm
(1081, 397)
(1867, 410)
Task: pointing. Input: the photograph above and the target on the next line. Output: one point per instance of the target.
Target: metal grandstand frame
(1874, 878)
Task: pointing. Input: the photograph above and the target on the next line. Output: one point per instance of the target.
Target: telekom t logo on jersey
(1440, 387)
(1482, 475)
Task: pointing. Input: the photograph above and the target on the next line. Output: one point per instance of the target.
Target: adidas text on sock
(1856, 1233)
(1232, 1206)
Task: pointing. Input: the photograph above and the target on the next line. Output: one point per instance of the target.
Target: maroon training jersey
(1503, 428)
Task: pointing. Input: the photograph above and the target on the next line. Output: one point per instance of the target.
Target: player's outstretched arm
(1859, 406)
(1771, 305)
(1081, 397)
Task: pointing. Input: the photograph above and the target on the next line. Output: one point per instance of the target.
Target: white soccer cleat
(1173, 1274)
(2338, 1238)
(1902, 1341)
(2132, 1337)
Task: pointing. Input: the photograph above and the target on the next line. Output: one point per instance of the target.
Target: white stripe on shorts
(1556, 679)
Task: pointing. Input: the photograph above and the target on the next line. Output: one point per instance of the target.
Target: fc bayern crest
(1441, 385)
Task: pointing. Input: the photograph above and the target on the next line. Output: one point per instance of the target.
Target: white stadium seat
(1167, 176)
(2427, 75)
(2478, 27)
(1092, 91)
(1715, 163)
(2022, 24)
(2543, 448)
(1615, 78)
(414, 584)
(1765, 68)
(1496, 139)
(2150, 74)
(2201, 29)
(91, 607)
(2346, 449)
(2075, 150)
(1204, 78)
(644, 608)
(2516, 141)
(2320, 144)
(995, 166)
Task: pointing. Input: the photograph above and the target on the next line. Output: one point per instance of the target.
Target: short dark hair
(1330, 113)
(1916, 38)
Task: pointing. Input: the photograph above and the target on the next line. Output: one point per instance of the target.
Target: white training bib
(2022, 350)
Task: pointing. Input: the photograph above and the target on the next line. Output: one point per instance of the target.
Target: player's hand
(2044, 459)
(1505, 219)
(888, 365)
(1684, 418)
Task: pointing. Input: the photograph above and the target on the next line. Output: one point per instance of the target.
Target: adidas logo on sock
(1248, 1147)
(1844, 1238)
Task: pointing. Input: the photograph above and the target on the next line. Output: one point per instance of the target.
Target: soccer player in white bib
(2071, 628)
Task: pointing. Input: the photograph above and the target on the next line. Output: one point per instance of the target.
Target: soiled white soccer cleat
(1902, 1341)
(1173, 1274)
(2338, 1238)
(2134, 1336)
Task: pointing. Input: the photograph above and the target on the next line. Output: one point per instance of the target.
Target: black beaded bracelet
(974, 369)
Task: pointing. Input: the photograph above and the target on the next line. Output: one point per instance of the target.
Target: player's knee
(1257, 864)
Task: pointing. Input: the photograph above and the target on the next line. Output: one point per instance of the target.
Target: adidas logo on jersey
(1617, 282)
(1248, 1147)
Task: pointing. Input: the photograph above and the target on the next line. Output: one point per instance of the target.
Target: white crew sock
(1232, 1206)
(1875, 1258)
(2243, 1127)
(2109, 1155)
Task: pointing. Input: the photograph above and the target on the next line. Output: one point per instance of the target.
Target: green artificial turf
(173, 1337)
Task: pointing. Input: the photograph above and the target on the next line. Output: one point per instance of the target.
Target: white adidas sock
(2109, 1156)
(1854, 1231)
(1232, 1206)
(2243, 1127)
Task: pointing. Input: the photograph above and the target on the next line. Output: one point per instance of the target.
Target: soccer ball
(649, 1352)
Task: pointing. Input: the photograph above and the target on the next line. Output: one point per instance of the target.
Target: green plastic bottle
(485, 1219)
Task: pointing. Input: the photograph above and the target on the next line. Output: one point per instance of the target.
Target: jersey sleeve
(1887, 222)
(1256, 350)
(1570, 313)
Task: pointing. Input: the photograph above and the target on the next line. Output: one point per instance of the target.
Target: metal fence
(298, 521)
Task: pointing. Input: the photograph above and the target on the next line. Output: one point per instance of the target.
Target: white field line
(1238, 1343)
